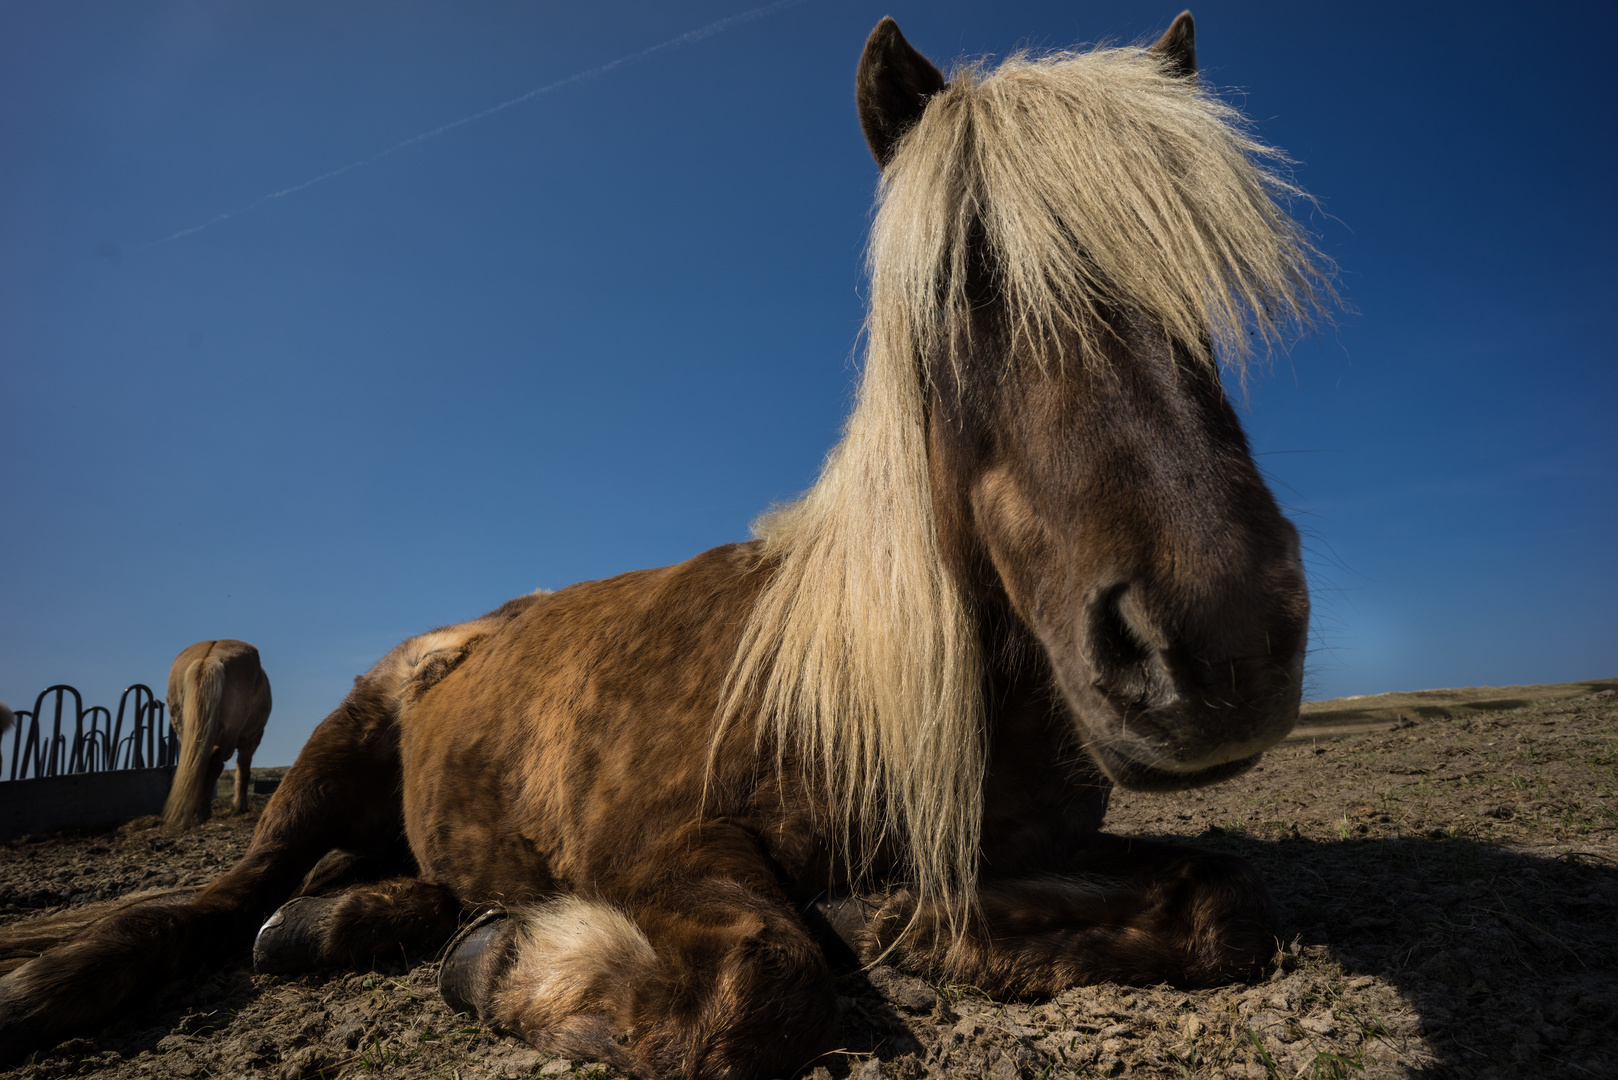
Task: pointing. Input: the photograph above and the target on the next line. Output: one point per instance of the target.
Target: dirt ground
(1448, 885)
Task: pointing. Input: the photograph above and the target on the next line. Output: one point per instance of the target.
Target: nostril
(1122, 661)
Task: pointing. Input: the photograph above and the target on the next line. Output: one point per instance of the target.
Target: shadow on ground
(1400, 957)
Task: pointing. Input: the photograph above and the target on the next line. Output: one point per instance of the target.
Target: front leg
(707, 973)
(1126, 911)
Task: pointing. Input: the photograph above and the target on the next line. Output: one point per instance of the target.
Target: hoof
(293, 939)
(472, 961)
(847, 918)
(836, 924)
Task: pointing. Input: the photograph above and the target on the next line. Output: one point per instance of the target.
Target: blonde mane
(1100, 182)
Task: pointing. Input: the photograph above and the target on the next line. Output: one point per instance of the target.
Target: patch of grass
(382, 1057)
(1264, 1055)
(1334, 1066)
(1191, 1062)
(1373, 1028)
(954, 993)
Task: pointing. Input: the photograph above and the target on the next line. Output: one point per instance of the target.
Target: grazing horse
(219, 702)
(1040, 563)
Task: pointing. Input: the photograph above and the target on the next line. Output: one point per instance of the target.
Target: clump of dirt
(1448, 893)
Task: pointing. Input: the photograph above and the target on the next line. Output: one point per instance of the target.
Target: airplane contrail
(600, 69)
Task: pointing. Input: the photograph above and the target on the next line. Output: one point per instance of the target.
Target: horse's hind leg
(343, 792)
(246, 745)
(1127, 911)
(210, 787)
(244, 777)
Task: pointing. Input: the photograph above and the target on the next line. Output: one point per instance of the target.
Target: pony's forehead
(1097, 179)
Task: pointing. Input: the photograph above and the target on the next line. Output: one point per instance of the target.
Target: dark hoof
(847, 917)
(837, 924)
(293, 939)
(473, 960)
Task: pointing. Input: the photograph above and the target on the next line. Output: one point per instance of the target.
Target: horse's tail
(22, 941)
(204, 687)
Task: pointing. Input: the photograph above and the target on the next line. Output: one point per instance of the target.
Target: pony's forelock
(1098, 181)
(1101, 182)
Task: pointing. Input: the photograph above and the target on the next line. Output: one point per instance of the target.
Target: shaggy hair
(1099, 182)
(569, 953)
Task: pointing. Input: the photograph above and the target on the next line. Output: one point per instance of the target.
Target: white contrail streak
(600, 69)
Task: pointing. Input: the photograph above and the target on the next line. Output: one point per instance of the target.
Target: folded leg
(1127, 911)
(710, 973)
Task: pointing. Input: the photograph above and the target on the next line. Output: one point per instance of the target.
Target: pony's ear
(892, 88)
(1178, 46)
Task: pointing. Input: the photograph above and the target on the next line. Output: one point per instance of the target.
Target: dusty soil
(1448, 891)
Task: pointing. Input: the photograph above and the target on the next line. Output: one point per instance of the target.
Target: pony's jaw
(1134, 776)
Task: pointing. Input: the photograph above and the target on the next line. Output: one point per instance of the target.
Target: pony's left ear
(1178, 46)
(892, 88)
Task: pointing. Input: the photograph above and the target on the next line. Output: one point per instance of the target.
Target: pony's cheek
(1023, 551)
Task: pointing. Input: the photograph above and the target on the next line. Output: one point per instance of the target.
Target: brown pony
(1040, 562)
(219, 702)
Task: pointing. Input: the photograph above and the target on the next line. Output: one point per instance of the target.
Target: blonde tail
(204, 685)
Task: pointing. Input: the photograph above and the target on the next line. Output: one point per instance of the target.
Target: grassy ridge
(1369, 712)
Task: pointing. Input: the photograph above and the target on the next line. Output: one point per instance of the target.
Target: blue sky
(605, 327)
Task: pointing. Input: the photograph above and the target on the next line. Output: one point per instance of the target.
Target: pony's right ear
(892, 88)
(1178, 46)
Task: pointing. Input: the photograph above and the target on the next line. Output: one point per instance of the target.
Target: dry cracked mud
(1448, 893)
